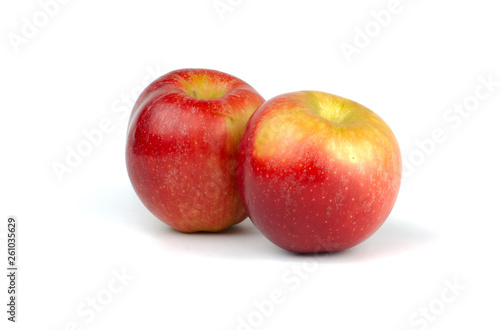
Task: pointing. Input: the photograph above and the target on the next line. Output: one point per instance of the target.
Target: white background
(76, 234)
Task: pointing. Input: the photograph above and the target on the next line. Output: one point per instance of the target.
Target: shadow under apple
(243, 240)
(396, 236)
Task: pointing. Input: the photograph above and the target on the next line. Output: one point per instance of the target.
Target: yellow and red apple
(317, 172)
(182, 143)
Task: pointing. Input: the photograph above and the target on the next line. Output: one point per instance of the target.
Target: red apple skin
(182, 144)
(317, 172)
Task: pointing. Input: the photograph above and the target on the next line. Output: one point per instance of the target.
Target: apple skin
(182, 144)
(317, 172)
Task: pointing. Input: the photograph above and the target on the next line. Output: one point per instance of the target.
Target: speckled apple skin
(182, 144)
(317, 172)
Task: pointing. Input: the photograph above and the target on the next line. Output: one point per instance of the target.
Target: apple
(317, 172)
(182, 145)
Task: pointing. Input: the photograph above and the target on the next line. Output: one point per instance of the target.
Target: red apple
(317, 172)
(182, 144)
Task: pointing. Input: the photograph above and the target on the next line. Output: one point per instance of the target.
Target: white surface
(74, 234)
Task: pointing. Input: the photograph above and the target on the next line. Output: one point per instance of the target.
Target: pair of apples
(314, 172)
